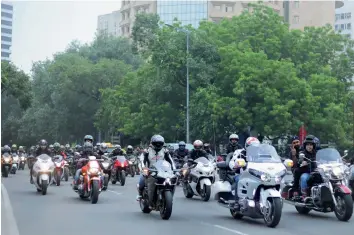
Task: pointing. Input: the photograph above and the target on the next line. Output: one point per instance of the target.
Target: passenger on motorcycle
(171, 150)
(42, 149)
(152, 155)
(233, 144)
(14, 149)
(181, 152)
(294, 150)
(87, 151)
(118, 151)
(302, 172)
(207, 149)
(251, 141)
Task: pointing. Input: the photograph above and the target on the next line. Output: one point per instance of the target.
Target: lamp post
(187, 32)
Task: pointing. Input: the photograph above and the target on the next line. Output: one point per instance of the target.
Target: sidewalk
(8, 221)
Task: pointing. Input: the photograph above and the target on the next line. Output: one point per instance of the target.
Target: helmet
(98, 144)
(14, 147)
(62, 147)
(103, 147)
(181, 143)
(21, 149)
(88, 138)
(118, 147)
(251, 141)
(51, 146)
(78, 147)
(43, 144)
(170, 148)
(157, 142)
(233, 139)
(6, 148)
(130, 147)
(67, 146)
(198, 145)
(310, 139)
(56, 146)
(88, 147)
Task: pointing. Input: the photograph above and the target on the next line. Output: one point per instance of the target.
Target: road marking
(11, 227)
(114, 192)
(230, 230)
(226, 229)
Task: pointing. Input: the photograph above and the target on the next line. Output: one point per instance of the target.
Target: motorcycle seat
(222, 165)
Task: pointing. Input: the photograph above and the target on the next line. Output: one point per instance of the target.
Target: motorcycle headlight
(22, 158)
(105, 164)
(93, 171)
(130, 162)
(265, 177)
(261, 175)
(337, 172)
(7, 160)
(167, 181)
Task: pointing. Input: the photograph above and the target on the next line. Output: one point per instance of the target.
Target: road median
(8, 221)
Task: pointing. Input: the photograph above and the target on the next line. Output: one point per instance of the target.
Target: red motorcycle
(119, 170)
(90, 182)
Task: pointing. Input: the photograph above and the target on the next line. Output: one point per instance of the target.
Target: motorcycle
(42, 173)
(258, 185)
(22, 162)
(326, 187)
(90, 183)
(132, 165)
(61, 170)
(202, 175)
(163, 182)
(179, 165)
(71, 166)
(15, 163)
(119, 169)
(30, 161)
(6, 163)
(107, 165)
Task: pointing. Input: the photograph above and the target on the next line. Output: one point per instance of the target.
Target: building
(6, 30)
(297, 13)
(344, 19)
(109, 23)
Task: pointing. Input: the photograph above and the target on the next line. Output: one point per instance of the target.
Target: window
(342, 16)
(6, 39)
(5, 54)
(123, 16)
(349, 15)
(4, 46)
(342, 26)
(8, 31)
(296, 4)
(8, 15)
(6, 7)
(217, 7)
(296, 19)
(228, 9)
(337, 17)
(349, 26)
(6, 22)
(336, 27)
(128, 15)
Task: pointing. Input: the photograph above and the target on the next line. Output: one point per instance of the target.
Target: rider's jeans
(236, 179)
(303, 181)
(77, 175)
(141, 182)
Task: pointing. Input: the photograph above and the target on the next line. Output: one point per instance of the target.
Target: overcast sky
(41, 28)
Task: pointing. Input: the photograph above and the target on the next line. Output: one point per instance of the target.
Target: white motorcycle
(61, 170)
(42, 173)
(258, 185)
(202, 175)
(15, 163)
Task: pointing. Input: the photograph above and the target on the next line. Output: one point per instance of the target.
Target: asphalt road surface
(61, 211)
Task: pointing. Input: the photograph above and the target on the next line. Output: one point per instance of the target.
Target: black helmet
(88, 138)
(88, 147)
(157, 142)
(43, 144)
(310, 139)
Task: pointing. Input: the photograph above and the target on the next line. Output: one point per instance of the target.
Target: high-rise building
(345, 19)
(298, 14)
(109, 23)
(6, 30)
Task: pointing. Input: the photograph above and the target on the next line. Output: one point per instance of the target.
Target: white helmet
(251, 141)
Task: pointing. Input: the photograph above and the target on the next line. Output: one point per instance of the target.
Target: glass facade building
(187, 12)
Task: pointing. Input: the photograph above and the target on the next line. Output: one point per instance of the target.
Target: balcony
(339, 4)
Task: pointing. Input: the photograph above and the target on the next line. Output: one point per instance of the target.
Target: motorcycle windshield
(263, 153)
(121, 159)
(163, 168)
(328, 156)
(202, 160)
(58, 158)
(43, 157)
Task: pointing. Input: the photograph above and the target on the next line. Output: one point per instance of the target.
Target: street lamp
(187, 32)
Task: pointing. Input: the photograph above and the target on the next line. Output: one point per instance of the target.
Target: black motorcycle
(160, 184)
(107, 166)
(179, 164)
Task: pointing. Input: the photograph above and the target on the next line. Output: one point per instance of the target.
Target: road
(61, 211)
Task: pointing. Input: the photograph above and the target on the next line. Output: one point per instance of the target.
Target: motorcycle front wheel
(57, 178)
(273, 215)
(6, 172)
(44, 187)
(94, 191)
(166, 209)
(344, 209)
(66, 174)
(122, 178)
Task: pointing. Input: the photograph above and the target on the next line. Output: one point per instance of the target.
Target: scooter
(258, 185)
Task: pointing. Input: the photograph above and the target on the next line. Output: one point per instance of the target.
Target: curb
(8, 223)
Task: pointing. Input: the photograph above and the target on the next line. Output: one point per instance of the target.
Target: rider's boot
(75, 185)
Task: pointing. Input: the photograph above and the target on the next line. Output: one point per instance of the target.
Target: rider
(151, 156)
(21, 150)
(207, 148)
(118, 151)
(102, 149)
(87, 151)
(68, 150)
(14, 149)
(43, 149)
(295, 150)
(181, 152)
(171, 150)
(197, 152)
(302, 172)
(233, 144)
(250, 141)
(56, 149)
(130, 150)
(6, 149)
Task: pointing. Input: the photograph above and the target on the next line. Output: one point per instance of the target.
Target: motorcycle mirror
(301, 156)
(288, 163)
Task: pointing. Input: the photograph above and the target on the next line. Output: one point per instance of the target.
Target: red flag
(302, 134)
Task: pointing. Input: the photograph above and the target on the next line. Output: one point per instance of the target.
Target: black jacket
(231, 148)
(194, 154)
(181, 153)
(40, 151)
(117, 152)
(311, 166)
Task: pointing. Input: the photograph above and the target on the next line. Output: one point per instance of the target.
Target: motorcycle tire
(132, 170)
(348, 208)
(207, 192)
(166, 209)
(187, 191)
(6, 172)
(276, 212)
(57, 178)
(66, 174)
(95, 191)
(122, 178)
(44, 187)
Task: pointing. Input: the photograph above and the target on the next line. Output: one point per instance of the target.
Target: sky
(42, 28)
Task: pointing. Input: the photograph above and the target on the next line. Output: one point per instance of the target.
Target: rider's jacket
(181, 154)
(311, 166)
(239, 153)
(151, 157)
(194, 154)
(40, 151)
